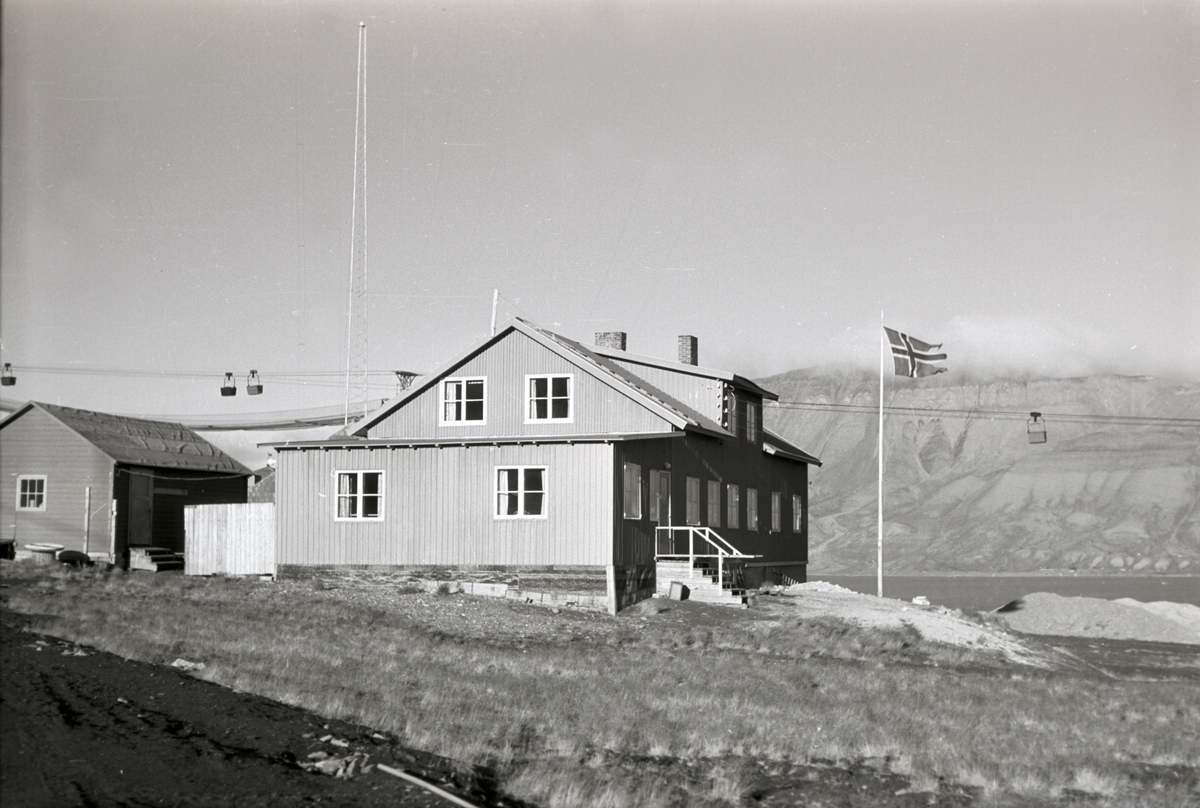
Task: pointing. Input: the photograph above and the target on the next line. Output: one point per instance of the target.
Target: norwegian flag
(912, 357)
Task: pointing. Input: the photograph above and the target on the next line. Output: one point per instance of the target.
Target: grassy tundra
(584, 709)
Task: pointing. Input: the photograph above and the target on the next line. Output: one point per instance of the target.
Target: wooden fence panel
(230, 539)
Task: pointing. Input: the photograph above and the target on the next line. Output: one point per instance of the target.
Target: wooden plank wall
(729, 461)
(438, 507)
(37, 443)
(598, 409)
(174, 489)
(230, 539)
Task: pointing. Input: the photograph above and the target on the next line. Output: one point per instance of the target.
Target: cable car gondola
(253, 384)
(1036, 427)
(6, 376)
(229, 386)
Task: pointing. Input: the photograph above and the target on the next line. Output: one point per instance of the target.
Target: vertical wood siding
(438, 507)
(737, 462)
(598, 408)
(36, 443)
(231, 539)
(702, 394)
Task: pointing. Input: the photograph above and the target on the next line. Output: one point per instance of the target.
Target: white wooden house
(531, 457)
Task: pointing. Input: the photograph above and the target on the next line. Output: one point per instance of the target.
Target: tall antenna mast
(356, 312)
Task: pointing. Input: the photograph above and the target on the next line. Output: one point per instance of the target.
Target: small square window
(31, 492)
(463, 401)
(359, 496)
(548, 398)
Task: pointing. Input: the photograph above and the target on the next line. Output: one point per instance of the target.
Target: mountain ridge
(965, 491)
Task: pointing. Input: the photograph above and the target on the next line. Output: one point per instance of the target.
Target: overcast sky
(1018, 180)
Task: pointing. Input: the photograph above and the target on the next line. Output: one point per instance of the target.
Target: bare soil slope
(80, 727)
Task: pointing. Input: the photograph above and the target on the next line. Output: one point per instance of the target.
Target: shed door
(141, 508)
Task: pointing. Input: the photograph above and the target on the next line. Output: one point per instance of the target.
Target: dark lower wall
(628, 585)
(730, 461)
(778, 575)
(590, 580)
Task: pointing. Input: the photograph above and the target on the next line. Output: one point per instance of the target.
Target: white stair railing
(707, 536)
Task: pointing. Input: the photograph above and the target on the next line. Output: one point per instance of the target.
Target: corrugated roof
(691, 370)
(775, 445)
(141, 442)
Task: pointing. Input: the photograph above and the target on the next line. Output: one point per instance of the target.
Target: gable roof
(666, 406)
(138, 441)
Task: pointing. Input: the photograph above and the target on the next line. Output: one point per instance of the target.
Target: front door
(141, 508)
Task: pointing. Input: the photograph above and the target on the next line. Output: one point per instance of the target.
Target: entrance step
(154, 559)
(701, 582)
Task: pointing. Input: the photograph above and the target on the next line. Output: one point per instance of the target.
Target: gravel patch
(935, 623)
(1124, 619)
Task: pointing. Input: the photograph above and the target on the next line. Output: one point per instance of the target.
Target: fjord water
(979, 593)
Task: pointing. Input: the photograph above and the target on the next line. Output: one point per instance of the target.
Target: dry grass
(545, 713)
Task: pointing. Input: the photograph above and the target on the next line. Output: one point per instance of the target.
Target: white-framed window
(464, 400)
(714, 503)
(751, 509)
(548, 398)
(520, 492)
(359, 496)
(693, 501)
(776, 512)
(733, 500)
(797, 514)
(31, 492)
(633, 491)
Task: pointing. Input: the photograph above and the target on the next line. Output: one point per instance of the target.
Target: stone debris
(342, 768)
(1123, 619)
(185, 665)
(814, 586)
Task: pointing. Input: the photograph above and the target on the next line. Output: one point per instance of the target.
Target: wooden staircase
(154, 559)
(700, 578)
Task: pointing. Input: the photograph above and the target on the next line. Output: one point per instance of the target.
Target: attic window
(463, 401)
(31, 492)
(549, 398)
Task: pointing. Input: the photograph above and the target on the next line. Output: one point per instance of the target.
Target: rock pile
(1124, 619)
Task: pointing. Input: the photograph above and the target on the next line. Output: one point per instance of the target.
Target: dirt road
(80, 727)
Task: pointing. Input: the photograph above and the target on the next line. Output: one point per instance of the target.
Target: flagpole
(879, 531)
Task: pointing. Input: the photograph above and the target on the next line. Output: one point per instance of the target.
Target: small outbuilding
(101, 483)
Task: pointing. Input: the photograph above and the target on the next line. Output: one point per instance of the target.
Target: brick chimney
(689, 350)
(611, 339)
